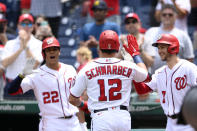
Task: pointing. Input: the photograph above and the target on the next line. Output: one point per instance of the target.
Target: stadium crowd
(21, 35)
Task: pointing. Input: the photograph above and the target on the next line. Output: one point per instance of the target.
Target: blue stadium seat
(70, 61)
(67, 42)
(62, 29)
(66, 52)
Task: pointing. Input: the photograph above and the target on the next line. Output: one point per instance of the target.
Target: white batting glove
(84, 126)
(28, 69)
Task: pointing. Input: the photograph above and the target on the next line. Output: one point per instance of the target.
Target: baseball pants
(111, 120)
(59, 124)
(173, 126)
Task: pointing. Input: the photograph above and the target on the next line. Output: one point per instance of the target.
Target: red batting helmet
(109, 40)
(49, 42)
(170, 40)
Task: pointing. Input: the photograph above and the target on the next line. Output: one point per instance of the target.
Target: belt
(175, 116)
(105, 109)
(66, 117)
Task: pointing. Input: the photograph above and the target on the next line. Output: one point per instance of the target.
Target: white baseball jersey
(52, 89)
(172, 84)
(185, 45)
(108, 82)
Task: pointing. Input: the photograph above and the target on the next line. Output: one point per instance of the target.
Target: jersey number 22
(50, 97)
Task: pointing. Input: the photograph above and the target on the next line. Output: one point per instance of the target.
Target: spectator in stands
(51, 9)
(3, 24)
(113, 14)
(133, 26)
(3, 40)
(19, 51)
(192, 18)
(84, 55)
(182, 7)
(2, 75)
(168, 17)
(90, 32)
(12, 13)
(42, 29)
(38, 21)
(192, 21)
(6, 33)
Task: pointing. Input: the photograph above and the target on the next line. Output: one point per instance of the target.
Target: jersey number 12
(112, 90)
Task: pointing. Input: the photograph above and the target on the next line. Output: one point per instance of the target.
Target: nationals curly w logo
(181, 82)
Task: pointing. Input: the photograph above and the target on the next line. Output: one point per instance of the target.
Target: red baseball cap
(26, 17)
(132, 15)
(2, 8)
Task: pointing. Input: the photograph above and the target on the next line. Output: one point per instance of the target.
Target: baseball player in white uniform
(108, 82)
(173, 80)
(51, 84)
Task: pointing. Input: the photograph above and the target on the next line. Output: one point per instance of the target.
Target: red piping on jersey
(171, 89)
(65, 90)
(166, 89)
(58, 89)
(107, 63)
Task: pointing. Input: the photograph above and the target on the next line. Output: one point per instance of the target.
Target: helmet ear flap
(43, 54)
(171, 40)
(173, 49)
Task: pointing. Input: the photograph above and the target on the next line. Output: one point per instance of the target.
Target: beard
(166, 57)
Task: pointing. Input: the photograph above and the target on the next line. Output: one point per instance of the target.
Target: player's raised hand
(132, 48)
(28, 69)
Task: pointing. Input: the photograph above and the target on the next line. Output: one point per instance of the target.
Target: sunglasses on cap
(43, 23)
(26, 24)
(167, 14)
(133, 21)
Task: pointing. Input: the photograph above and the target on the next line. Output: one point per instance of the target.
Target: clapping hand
(23, 36)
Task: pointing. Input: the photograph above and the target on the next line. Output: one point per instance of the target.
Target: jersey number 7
(112, 90)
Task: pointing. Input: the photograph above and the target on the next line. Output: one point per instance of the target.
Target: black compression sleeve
(15, 84)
